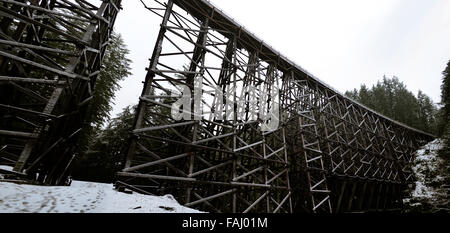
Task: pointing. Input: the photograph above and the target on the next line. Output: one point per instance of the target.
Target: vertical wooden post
(362, 199)
(372, 190)
(341, 196)
(352, 196)
(142, 108)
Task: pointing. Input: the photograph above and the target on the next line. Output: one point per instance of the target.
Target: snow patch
(82, 197)
(7, 168)
(425, 165)
(422, 191)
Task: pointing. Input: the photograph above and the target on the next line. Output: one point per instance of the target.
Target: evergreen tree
(391, 98)
(445, 112)
(105, 154)
(116, 67)
(427, 112)
(365, 96)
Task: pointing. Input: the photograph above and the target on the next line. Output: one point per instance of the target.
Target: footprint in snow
(169, 196)
(167, 208)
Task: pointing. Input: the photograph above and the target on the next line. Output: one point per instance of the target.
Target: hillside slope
(431, 191)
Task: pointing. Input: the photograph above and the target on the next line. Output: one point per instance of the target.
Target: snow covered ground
(425, 168)
(8, 168)
(431, 191)
(82, 197)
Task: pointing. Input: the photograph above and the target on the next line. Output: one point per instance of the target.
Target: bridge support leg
(352, 196)
(362, 197)
(341, 197)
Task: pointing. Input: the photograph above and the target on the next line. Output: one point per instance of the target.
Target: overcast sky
(344, 43)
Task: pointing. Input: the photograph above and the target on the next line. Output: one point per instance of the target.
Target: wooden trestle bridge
(328, 153)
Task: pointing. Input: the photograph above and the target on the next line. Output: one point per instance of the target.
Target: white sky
(344, 43)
